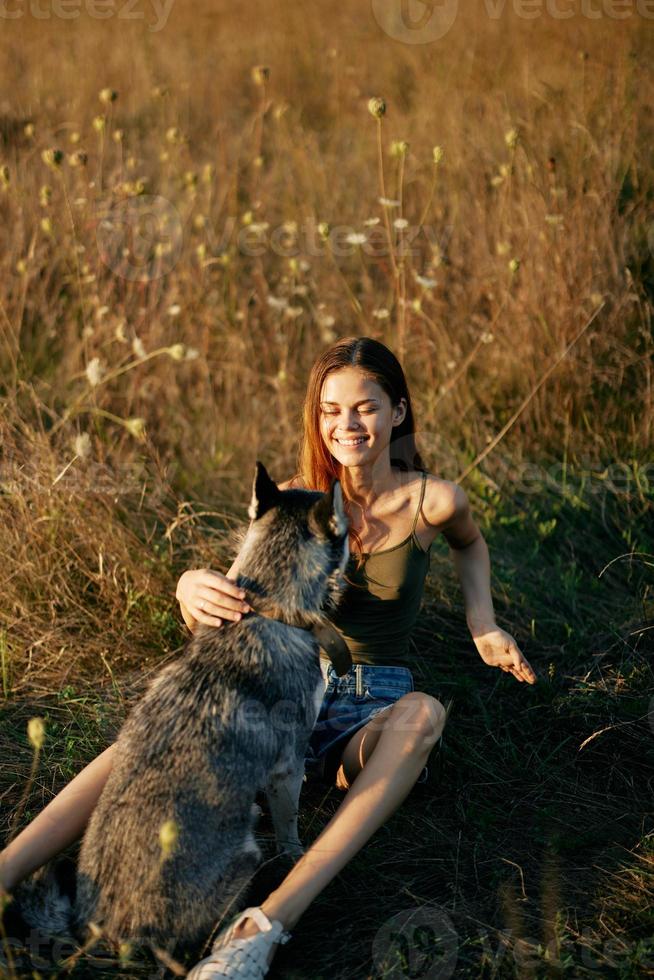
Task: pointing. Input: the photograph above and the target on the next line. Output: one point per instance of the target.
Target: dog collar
(327, 637)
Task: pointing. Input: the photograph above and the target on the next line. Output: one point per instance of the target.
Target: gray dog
(169, 849)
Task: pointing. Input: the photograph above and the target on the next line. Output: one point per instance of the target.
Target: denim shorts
(348, 704)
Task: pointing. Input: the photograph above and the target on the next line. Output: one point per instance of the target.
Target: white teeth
(351, 442)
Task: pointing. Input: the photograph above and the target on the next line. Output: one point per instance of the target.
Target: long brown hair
(317, 467)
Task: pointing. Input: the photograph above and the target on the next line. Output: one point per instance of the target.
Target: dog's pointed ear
(328, 514)
(265, 493)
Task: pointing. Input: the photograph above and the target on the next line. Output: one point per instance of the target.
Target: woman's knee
(421, 716)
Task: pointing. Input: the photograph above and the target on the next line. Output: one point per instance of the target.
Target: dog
(169, 848)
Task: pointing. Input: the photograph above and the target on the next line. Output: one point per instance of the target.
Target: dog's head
(299, 542)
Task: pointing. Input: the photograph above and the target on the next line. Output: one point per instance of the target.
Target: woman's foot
(243, 950)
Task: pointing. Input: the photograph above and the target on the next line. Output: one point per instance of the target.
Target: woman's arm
(60, 823)
(469, 553)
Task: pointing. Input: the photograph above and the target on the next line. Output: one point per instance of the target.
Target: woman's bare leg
(383, 760)
(60, 823)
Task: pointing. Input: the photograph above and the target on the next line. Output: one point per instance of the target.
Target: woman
(358, 427)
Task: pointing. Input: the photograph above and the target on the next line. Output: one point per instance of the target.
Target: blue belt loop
(358, 690)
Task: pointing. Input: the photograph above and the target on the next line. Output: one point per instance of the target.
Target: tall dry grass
(133, 406)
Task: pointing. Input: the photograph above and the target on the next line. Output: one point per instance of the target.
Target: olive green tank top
(380, 603)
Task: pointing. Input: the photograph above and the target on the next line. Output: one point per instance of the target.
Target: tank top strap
(422, 495)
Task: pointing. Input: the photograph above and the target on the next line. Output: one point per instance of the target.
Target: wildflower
(192, 354)
(371, 222)
(117, 135)
(74, 137)
(201, 252)
(279, 110)
(138, 348)
(174, 310)
(94, 372)
(260, 74)
(502, 248)
(376, 107)
(293, 312)
(159, 91)
(277, 303)
(400, 223)
(323, 230)
(119, 332)
(4, 176)
(506, 170)
(487, 337)
(168, 835)
(388, 202)
(177, 352)
(381, 314)
(52, 158)
(399, 148)
(36, 733)
(82, 445)
(98, 123)
(450, 365)
(21, 267)
(355, 238)
(514, 265)
(437, 154)
(107, 96)
(46, 226)
(247, 218)
(497, 180)
(511, 138)
(28, 129)
(199, 221)
(136, 428)
(425, 282)
(78, 159)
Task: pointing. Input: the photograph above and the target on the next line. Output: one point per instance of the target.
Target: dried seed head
(94, 372)
(437, 154)
(78, 159)
(36, 733)
(514, 265)
(107, 96)
(136, 428)
(376, 107)
(511, 138)
(82, 445)
(52, 158)
(399, 148)
(99, 123)
(260, 74)
(177, 352)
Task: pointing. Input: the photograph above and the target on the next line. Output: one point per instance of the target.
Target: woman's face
(356, 417)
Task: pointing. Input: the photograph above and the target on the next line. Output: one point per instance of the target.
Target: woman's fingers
(520, 668)
(215, 603)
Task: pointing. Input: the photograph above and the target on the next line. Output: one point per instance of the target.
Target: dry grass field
(195, 199)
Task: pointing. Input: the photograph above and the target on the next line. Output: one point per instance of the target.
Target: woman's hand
(498, 649)
(210, 597)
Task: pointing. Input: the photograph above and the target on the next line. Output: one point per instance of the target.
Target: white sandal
(241, 959)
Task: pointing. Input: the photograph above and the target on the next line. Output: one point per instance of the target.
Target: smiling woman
(374, 732)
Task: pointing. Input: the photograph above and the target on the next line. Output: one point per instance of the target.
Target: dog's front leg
(283, 794)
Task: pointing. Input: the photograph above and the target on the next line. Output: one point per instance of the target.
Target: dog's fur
(230, 717)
